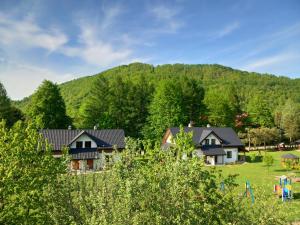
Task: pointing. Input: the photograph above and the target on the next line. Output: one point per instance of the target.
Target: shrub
(163, 190)
(268, 160)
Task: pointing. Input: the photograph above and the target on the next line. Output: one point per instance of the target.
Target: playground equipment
(222, 186)
(284, 189)
(249, 191)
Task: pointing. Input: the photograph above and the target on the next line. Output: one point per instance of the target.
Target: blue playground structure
(284, 189)
(249, 191)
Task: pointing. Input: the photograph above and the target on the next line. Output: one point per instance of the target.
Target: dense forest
(144, 100)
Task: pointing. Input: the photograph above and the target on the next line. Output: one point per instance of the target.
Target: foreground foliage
(28, 176)
(151, 188)
(158, 188)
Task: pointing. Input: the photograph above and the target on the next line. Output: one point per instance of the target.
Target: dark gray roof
(60, 138)
(84, 153)
(226, 134)
(204, 135)
(289, 156)
(297, 142)
(213, 151)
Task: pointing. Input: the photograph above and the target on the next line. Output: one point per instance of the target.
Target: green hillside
(274, 90)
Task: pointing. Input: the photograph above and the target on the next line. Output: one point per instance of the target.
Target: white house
(88, 149)
(218, 145)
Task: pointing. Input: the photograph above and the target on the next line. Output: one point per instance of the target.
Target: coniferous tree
(95, 109)
(138, 97)
(193, 94)
(48, 107)
(118, 102)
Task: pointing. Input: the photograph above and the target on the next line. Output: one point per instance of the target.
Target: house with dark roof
(218, 145)
(88, 149)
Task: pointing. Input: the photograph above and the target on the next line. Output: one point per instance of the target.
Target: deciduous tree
(166, 109)
(291, 120)
(259, 111)
(222, 107)
(47, 107)
(5, 106)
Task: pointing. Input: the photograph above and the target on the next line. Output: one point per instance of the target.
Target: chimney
(95, 127)
(69, 127)
(191, 124)
(208, 125)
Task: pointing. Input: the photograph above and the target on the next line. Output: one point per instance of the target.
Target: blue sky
(63, 40)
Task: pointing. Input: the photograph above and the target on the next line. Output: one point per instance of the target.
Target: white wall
(211, 160)
(169, 139)
(234, 155)
(209, 137)
(84, 138)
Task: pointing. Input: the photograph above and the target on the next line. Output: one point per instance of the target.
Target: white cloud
(228, 29)
(267, 63)
(92, 46)
(110, 15)
(21, 79)
(167, 16)
(27, 34)
(94, 50)
(97, 43)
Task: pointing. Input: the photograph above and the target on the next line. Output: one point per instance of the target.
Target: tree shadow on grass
(296, 172)
(283, 170)
(296, 196)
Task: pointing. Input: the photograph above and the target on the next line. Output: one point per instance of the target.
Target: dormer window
(79, 144)
(213, 141)
(88, 144)
(206, 141)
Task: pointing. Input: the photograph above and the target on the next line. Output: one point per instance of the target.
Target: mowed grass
(260, 178)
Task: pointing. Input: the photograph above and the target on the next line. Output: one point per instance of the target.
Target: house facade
(217, 145)
(89, 149)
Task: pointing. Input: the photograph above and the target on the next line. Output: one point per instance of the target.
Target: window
(229, 154)
(79, 144)
(206, 141)
(88, 144)
(213, 141)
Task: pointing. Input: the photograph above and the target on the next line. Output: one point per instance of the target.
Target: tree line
(145, 100)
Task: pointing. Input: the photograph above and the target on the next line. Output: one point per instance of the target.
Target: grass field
(259, 176)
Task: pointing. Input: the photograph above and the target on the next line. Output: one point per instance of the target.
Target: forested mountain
(124, 97)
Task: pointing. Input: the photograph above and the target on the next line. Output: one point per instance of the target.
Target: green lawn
(259, 177)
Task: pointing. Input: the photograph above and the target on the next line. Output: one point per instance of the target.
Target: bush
(255, 158)
(290, 164)
(28, 176)
(163, 190)
(268, 160)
